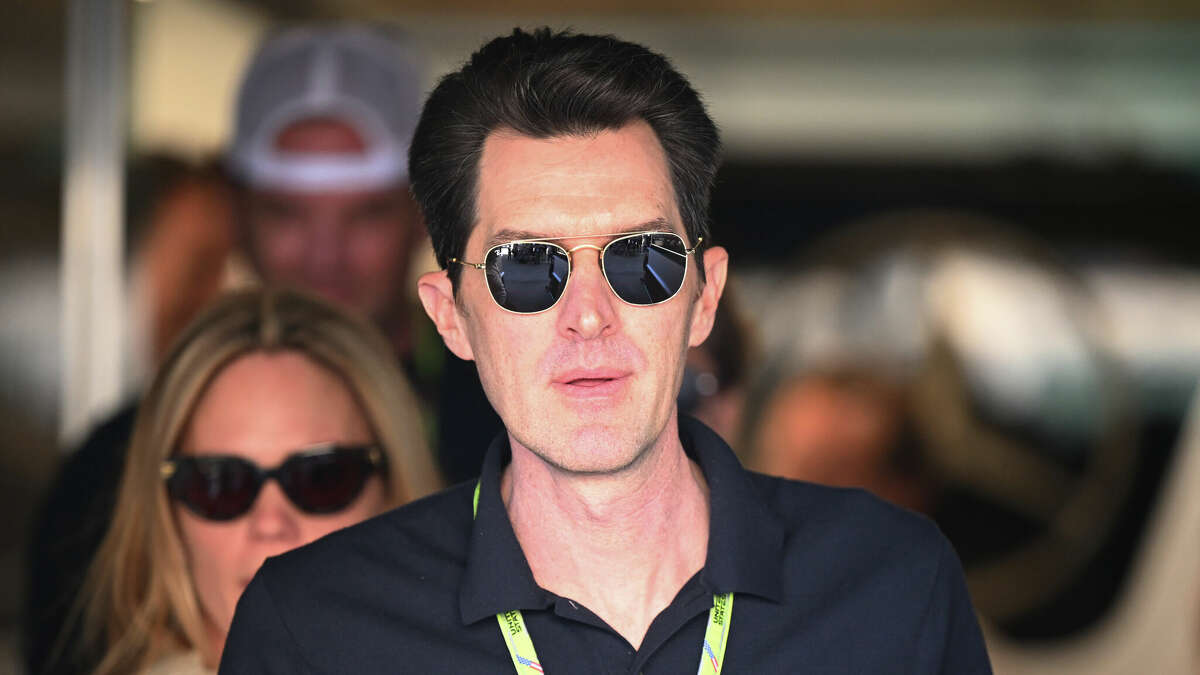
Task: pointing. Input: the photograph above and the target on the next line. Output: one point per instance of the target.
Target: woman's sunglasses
(642, 268)
(320, 479)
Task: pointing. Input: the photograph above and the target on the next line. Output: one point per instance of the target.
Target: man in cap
(565, 182)
(320, 156)
(324, 119)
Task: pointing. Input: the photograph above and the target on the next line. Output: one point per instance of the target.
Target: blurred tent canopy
(970, 81)
(1108, 10)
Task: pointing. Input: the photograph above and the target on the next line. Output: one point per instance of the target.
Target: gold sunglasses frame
(567, 252)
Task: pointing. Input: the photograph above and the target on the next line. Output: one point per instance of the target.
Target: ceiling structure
(1072, 71)
(841, 10)
(921, 79)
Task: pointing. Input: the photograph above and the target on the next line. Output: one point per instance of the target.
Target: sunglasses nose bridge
(273, 516)
(587, 305)
(599, 256)
(274, 473)
(277, 475)
(571, 251)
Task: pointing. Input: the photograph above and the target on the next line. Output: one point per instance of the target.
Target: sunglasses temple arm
(478, 266)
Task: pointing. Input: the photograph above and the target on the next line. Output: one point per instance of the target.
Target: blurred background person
(319, 159)
(716, 372)
(954, 366)
(275, 420)
(181, 223)
(951, 364)
(848, 427)
(185, 253)
(313, 195)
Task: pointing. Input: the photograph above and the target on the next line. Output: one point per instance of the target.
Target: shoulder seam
(929, 595)
(283, 622)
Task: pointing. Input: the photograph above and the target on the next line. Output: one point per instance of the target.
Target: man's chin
(594, 449)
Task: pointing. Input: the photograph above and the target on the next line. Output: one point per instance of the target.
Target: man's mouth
(591, 383)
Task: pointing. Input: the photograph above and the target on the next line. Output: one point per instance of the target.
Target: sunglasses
(641, 268)
(319, 479)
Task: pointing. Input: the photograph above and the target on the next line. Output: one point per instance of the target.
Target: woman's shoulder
(186, 663)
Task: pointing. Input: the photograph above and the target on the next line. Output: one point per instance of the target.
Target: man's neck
(623, 544)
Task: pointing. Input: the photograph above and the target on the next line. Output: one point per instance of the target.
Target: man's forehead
(505, 144)
(507, 234)
(614, 181)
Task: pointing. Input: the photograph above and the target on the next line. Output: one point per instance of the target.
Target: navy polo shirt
(825, 580)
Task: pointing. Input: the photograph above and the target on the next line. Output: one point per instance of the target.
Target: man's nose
(587, 308)
(274, 518)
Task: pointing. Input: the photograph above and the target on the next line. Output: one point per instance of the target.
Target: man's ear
(716, 265)
(437, 296)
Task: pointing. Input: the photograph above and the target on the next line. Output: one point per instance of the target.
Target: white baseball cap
(364, 76)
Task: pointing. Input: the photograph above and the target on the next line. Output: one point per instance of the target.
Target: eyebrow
(509, 235)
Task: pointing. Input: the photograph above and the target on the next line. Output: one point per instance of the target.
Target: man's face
(591, 383)
(351, 247)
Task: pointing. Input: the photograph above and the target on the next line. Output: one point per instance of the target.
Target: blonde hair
(139, 602)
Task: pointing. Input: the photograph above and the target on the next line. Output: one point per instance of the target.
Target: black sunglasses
(642, 268)
(319, 479)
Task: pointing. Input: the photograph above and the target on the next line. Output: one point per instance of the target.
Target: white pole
(93, 307)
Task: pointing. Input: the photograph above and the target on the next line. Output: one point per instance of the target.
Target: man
(319, 157)
(565, 181)
(324, 119)
(319, 166)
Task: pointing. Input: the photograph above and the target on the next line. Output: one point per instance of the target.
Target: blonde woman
(275, 420)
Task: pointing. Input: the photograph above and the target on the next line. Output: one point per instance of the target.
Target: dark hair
(545, 84)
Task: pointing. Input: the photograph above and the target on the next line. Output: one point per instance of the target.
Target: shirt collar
(745, 538)
(497, 578)
(745, 543)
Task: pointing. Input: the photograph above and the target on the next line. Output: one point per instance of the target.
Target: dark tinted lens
(217, 488)
(526, 277)
(327, 481)
(646, 268)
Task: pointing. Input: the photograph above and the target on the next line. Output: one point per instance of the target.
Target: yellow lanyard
(525, 658)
